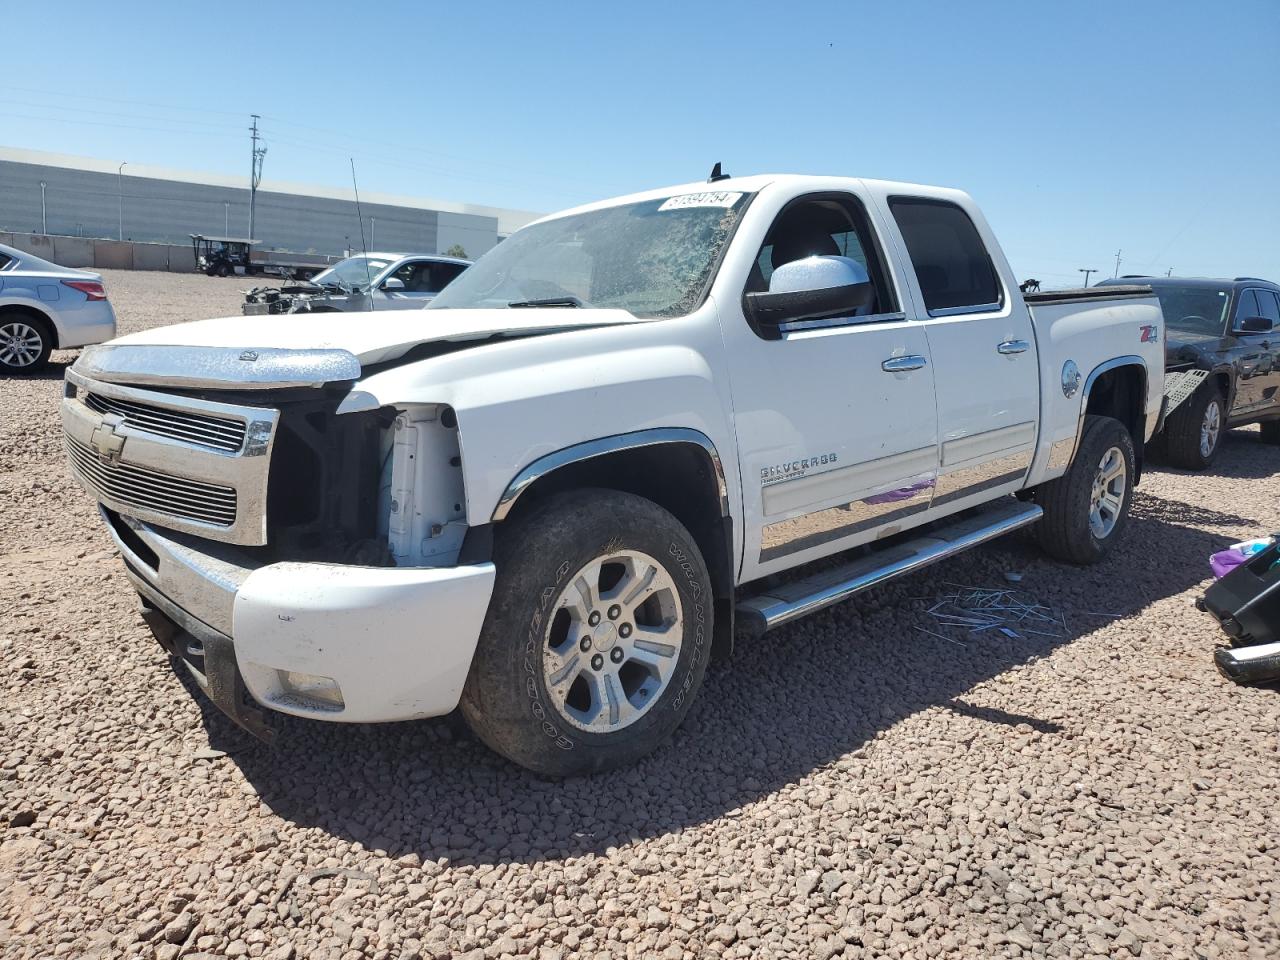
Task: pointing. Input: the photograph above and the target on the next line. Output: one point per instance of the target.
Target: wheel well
(1120, 393)
(682, 479)
(32, 313)
(1223, 380)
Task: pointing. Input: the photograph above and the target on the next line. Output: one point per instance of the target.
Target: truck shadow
(1244, 456)
(803, 698)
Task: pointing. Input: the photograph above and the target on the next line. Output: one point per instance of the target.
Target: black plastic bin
(1246, 602)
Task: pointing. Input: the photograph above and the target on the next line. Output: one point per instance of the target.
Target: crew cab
(624, 437)
(1222, 362)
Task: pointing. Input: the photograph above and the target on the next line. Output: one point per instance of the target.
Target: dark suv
(1231, 330)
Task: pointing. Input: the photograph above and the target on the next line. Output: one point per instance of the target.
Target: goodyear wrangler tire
(597, 637)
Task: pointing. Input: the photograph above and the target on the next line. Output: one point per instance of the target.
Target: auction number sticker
(719, 198)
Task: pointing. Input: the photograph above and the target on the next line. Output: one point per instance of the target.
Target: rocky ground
(850, 786)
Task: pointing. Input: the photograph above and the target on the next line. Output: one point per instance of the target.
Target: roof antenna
(364, 247)
(716, 175)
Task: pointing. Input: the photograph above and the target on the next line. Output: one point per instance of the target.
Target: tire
(1071, 529)
(1193, 432)
(224, 269)
(1270, 431)
(549, 655)
(25, 343)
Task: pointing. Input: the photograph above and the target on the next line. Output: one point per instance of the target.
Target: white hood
(371, 337)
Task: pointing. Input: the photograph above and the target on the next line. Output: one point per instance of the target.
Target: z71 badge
(793, 468)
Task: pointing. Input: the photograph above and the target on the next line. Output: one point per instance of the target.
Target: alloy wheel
(20, 344)
(614, 641)
(1110, 486)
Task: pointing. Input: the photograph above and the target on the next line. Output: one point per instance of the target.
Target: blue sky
(1149, 127)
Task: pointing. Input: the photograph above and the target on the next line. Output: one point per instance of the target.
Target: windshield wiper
(568, 301)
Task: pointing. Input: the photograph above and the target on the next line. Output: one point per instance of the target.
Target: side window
(405, 274)
(1268, 306)
(442, 274)
(1246, 307)
(952, 264)
(824, 225)
(5, 261)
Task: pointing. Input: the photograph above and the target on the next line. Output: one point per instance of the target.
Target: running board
(791, 601)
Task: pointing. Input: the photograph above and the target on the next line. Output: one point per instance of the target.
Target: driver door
(835, 418)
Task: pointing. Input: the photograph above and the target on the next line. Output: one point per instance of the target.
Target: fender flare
(590, 449)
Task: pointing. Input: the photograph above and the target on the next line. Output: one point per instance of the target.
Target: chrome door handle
(903, 364)
(1010, 347)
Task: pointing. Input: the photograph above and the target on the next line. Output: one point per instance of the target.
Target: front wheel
(597, 636)
(1087, 508)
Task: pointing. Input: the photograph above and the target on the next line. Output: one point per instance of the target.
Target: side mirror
(811, 289)
(392, 283)
(1254, 325)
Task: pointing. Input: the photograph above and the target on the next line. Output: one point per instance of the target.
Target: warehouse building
(80, 197)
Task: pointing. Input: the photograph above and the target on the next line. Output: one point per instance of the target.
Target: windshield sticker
(720, 198)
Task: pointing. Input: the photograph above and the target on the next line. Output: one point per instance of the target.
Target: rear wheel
(1193, 433)
(25, 343)
(1087, 508)
(597, 636)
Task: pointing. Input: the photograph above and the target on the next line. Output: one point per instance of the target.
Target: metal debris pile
(969, 612)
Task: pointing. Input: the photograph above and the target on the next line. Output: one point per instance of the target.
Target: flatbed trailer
(228, 256)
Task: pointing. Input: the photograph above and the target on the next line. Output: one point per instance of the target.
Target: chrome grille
(179, 497)
(215, 432)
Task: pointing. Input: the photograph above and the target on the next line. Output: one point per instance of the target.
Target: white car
(625, 430)
(45, 307)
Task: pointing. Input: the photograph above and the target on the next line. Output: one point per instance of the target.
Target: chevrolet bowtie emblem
(105, 441)
(249, 355)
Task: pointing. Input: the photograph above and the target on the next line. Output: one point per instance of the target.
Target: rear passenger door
(986, 374)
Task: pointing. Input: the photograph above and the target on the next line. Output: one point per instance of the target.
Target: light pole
(226, 218)
(120, 196)
(44, 220)
(373, 222)
(1086, 273)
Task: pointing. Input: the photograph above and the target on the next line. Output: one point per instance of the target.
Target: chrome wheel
(1110, 486)
(614, 641)
(20, 344)
(1210, 428)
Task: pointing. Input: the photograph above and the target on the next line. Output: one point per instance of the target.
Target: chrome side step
(790, 601)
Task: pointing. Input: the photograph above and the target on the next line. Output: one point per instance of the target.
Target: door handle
(903, 364)
(1010, 347)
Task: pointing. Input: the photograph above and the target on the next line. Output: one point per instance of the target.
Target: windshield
(652, 259)
(354, 272)
(1194, 312)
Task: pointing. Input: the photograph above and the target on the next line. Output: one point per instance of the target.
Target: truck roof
(757, 182)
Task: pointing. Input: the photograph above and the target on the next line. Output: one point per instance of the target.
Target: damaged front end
(236, 490)
(294, 298)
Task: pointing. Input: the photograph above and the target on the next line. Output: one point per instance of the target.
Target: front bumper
(396, 643)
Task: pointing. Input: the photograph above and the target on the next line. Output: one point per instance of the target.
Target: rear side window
(952, 264)
(5, 261)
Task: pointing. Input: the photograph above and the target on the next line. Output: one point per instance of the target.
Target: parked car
(375, 281)
(625, 430)
(1221, 336)
(45, 307)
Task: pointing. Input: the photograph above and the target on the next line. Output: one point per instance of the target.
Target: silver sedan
(45, 307)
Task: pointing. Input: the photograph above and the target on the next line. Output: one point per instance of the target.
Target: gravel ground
(848, 787)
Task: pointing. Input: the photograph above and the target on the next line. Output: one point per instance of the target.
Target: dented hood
(299, 349)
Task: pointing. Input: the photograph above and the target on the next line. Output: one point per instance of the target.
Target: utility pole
(255, 168)
(1169, 272)
(1086, 273)
(1117, 273)
(44, 220)
(120, 196)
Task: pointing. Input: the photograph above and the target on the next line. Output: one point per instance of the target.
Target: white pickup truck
(623, 434)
